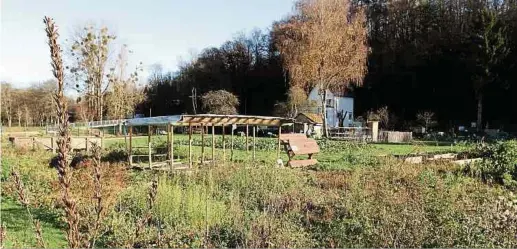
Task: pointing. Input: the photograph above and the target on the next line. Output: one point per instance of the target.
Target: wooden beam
(130, 150)
(254, 130)
(247, 147)
(197, 120)
(168, 140)
(190, 145)
(224, 146)
(231, 144)
(150, 155)
(171, 145)
(213, 144)
(202, 143)
(148, 134)
(278, 142)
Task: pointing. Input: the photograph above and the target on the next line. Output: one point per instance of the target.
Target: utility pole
(194, 100)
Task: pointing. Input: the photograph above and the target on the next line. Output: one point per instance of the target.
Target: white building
(338, 105)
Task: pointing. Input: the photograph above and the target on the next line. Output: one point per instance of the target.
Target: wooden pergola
(199, 120)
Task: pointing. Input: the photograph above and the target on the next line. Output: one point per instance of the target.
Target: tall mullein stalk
(63, 141)
(97, 196)
(22, 198)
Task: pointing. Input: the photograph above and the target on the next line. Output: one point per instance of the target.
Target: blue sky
(157, 31)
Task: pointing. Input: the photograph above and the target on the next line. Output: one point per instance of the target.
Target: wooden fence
(351, 133)
(50, 143)
(395, 137)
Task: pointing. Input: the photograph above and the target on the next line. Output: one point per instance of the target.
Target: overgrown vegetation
(374, 203)
(499, 164)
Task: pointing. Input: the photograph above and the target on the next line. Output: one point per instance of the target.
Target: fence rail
(91, 124)
(351, 133)
(395, 136)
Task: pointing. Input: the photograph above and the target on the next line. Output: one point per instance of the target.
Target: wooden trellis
(203, 121)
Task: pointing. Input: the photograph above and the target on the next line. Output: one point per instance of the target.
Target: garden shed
(309, 123)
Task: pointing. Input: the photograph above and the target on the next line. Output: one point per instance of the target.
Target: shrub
(499, 163)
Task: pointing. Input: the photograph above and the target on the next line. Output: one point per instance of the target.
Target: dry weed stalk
(97, 196)
(63, 141)
(24, 200)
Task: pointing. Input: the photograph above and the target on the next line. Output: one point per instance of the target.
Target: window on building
(330, 103)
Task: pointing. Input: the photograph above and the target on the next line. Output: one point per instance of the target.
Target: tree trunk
(9, 121)
(479, 112)
(324, 111)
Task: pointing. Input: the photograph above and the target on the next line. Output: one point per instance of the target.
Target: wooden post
(247, 147)
(224, 146)
(34, 144)
(278, 143)
(168, 142)
(171, 129)
(213, 144)
(202, 143)
(231, 144)
(130, 159)
(149, 144)
(52, 146)
(190, 145)
(150, 154)
(254, 128)
(86, 143)
(148, 134)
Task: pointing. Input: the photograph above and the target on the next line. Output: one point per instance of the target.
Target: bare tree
(19, 115)
(90, 50)
(324, 45)
(27, 115)
(124, 94)
(426, 118)
(7, 103)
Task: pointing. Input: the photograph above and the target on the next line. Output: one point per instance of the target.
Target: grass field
(391, 149)
(20, 230)
(268, 154)
(354, 197)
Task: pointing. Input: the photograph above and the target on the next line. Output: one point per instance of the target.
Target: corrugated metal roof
(160, 120)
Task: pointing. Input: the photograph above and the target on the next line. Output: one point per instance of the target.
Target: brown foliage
(220, 102)
(324, 45)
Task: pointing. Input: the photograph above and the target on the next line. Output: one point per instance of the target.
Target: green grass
(20, 231)
(417, 147)
(334, 153)
(390, 149)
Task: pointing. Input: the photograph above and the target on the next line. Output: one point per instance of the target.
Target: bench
(299, 144)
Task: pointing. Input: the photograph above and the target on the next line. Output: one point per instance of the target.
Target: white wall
(347, 105)
(341, 103)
